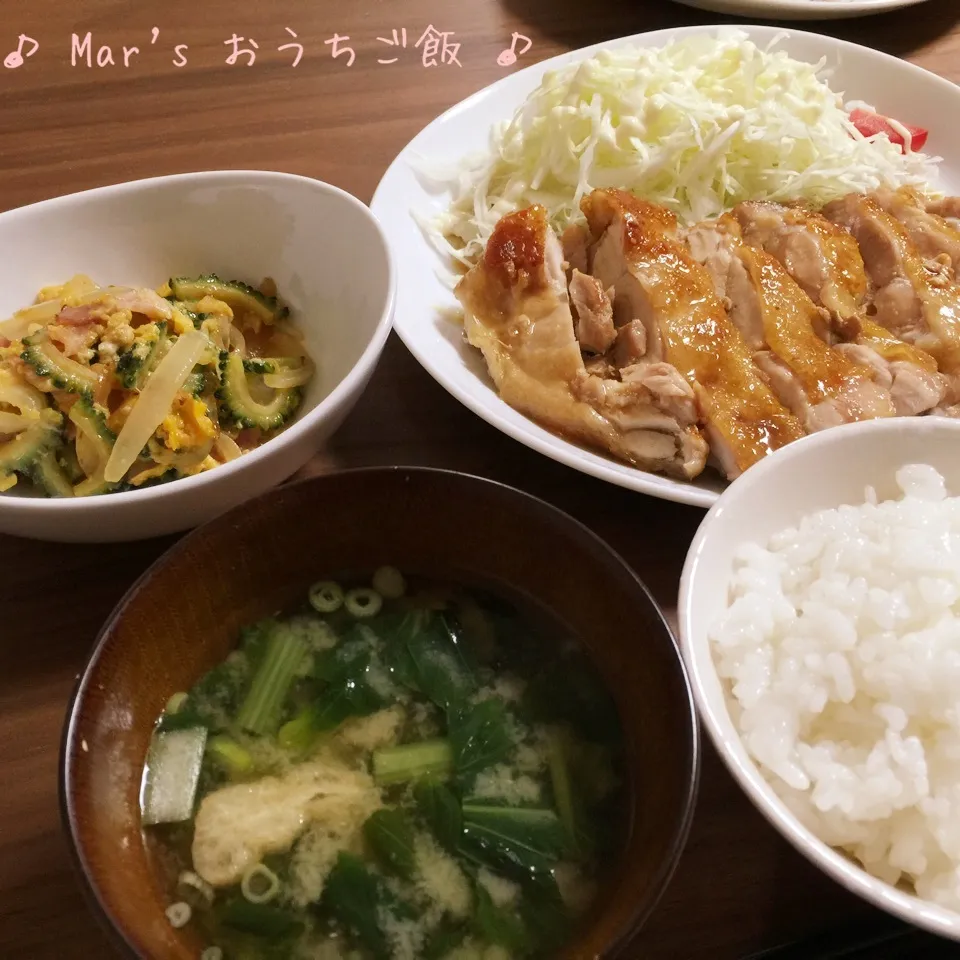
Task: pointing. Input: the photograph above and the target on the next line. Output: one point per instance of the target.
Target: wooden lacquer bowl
(183, 616)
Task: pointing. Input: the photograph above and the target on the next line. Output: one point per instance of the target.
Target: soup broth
(388, 772)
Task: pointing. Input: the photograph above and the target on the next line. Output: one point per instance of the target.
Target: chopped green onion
(298, 734)
(171, 774)
(565, 792)
(194, 890)
(175, 703)
(411, 761)
(326, 596)
(231, 756)
(389, 583)
(262, 708)
(179, 914)
(260, 884)
(363, 602)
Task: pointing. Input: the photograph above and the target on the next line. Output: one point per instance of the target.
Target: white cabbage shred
(698, 126)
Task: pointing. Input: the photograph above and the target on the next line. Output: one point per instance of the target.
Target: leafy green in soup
(391, 772)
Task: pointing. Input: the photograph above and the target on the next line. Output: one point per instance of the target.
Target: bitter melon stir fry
(113, 388)
(392, 772)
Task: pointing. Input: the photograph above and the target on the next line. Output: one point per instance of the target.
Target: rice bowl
(841, 649)
(821, 634)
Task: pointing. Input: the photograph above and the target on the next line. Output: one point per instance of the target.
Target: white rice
(841, 654)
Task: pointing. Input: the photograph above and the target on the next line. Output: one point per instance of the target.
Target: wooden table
(69, 126)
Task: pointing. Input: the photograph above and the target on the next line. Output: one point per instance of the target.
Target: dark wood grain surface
(67, 127)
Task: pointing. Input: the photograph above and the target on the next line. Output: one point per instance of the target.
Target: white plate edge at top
(400, 194)
(801, 9)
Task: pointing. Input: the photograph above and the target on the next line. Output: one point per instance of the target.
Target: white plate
(800, 9)
(424, 293)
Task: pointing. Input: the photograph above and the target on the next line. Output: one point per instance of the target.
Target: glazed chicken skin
(824, 387)
(727, 340)
(915, 299)
(634, 248)
(825, 261)
(932, 235)
(517, 312)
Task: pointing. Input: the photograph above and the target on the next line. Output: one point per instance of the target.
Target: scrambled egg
(121, 334)
(236, 826)
(213, 307)
(207, 464)
(440, 878)
(370, 733)
(187, 425)
(208, 305)
(149, 474)
(181, 323)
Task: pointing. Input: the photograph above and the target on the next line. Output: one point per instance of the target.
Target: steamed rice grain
(840, 650)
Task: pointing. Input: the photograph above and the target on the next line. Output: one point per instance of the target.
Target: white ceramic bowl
(819, 472)
(331, 262)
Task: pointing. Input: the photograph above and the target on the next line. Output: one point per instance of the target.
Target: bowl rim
(362, 367)
(686, 705)
(739, 763)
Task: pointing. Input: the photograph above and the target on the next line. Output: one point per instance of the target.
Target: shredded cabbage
(698, 126)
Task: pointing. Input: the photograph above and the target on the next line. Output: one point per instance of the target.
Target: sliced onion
(286, 343)
(13, 422)
(215, 331)
(87, 455)
(20, 395)
(104, 388)
(227, 448)
(225, 323)
(259, 391)
(290, 377)
(235, 340)
(96, 295)
(15, 327)
(154, 402)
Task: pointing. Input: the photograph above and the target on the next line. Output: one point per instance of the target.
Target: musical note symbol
(508, 58)
(15, 58)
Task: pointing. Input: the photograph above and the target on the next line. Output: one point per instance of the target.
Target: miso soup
(389, 772)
